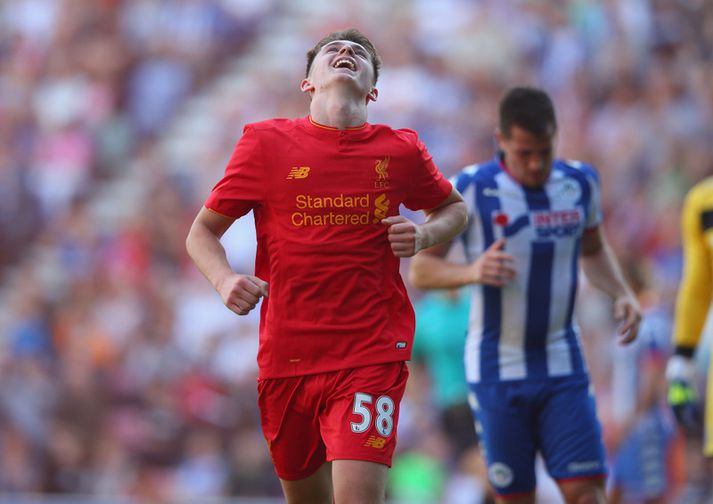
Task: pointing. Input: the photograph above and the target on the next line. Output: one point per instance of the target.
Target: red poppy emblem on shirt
(501, 219)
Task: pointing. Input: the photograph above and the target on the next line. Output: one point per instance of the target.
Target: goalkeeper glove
(682, 393)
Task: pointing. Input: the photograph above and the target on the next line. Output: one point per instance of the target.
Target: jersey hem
(580, 478)
(575, 377)
(262, 376)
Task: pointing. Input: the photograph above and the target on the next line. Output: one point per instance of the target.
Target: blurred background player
(692, 307)
(640, 432)
(531, 217)
(337, 326)
(441, 327)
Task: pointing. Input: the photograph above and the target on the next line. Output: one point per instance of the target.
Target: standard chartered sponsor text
(304, 201)
(355, 210)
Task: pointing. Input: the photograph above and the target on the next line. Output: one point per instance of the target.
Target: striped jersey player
(533, 220)
(541, 229)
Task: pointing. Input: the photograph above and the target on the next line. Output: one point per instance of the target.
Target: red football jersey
(318, 194)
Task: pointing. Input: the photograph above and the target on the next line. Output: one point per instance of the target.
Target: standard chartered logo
(339, 210)
(381, 208)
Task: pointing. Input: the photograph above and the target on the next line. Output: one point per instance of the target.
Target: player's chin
(536, 183)
(350, 78)
(344, 75)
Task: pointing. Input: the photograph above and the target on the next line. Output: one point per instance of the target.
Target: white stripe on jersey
(512, 345)
(559, 361)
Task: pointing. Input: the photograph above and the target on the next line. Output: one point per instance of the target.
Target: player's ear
(499, 138)
(306, 86)
(372, 95)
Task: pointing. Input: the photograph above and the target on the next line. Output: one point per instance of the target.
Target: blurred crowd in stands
(121, 373)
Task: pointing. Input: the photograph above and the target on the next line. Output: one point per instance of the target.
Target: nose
(536, 163)
(346, 49)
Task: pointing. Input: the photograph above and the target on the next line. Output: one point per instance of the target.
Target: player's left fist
(628, 312)
(406, 237)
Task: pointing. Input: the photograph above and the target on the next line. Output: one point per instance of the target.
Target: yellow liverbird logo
(381, 204)
(381, 166)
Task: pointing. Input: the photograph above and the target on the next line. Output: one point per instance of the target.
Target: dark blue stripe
(539, 293)
(574, 350)
(539, 297)
(492, 301)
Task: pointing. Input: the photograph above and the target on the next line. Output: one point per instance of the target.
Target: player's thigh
(506, 435)
(570, 433)
(314, 489)
(362, 412)
(289, 414)
(359, 482)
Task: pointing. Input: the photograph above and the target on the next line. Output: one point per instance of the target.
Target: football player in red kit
(336, 324)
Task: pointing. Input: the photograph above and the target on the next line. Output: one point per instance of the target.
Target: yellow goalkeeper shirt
(694, 295)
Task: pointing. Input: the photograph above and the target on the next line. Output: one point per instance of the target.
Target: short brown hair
(352, 35)
(528, 108)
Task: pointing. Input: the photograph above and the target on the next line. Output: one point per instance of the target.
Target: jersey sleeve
(428, 188)
(694, 295)
(464, 183)
(243, 184)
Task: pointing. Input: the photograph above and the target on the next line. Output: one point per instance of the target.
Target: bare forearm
(602, 270)
(432, 272)
(208, 254)
(444, 223)
(240, 293)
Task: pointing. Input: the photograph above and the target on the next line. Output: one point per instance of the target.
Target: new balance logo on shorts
(375, 442)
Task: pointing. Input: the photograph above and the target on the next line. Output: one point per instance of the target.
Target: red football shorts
(349, 414)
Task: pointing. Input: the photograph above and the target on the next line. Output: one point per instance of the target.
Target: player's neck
(338, 110)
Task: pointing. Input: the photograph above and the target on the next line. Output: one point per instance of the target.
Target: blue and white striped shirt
(526, 330)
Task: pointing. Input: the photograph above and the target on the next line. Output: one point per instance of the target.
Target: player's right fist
(682, 394)
(494, 266)
(241, 293)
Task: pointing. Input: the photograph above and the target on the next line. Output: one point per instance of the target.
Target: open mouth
(345, 63)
